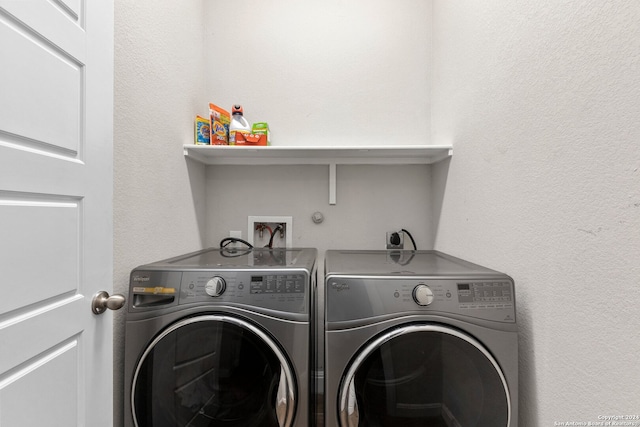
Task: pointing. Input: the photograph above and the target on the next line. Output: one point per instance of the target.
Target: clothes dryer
(220, 338)
(418, 338)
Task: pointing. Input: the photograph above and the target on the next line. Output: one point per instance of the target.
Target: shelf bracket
(332, 183)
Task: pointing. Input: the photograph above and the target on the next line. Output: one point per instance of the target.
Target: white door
(56, 96)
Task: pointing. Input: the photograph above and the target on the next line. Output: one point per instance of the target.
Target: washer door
(424, 375)
(213, 370)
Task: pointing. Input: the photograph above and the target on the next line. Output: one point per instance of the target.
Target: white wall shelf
(301, 155)
(331, 156)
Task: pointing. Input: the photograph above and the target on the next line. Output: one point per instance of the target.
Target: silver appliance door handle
(285, 401)
(102, 301)
(349, 413)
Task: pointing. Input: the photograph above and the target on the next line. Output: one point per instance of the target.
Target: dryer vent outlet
(395, 240)
(261, 228)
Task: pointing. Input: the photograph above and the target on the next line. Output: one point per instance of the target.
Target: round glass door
(424, 375)
(213, 370)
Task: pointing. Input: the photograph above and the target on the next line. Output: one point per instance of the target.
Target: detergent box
(262, 128)
(202, 131)
(251, 139)
(220, 120)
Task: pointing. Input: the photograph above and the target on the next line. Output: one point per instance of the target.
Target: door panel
(55, 378)
(44, 253)
(424, 375)
(30, 332)
(45, 82)
(56, 143)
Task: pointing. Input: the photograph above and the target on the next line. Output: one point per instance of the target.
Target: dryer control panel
(352, 298)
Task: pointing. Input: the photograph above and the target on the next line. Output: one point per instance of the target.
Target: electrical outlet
(234, 234)
(260, 228)
(395, 240)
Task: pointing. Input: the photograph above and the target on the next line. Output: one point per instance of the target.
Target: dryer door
(213, 370)
(424, 375)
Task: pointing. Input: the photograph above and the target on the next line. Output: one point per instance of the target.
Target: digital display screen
(484, 292)
(277, 284)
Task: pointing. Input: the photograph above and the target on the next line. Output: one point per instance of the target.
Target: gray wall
(328, 72)
(371, 200)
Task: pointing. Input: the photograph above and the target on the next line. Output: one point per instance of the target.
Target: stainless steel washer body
(220, 337)
(418, 338)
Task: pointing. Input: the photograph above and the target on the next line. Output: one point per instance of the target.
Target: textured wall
(324, 72)
(159, 199)
(541, 101)
(327, 73)
(371, 200)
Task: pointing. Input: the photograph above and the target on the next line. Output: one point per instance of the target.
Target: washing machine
(220, 337)
(418, 338)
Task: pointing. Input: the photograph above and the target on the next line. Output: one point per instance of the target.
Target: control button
(448, 294)
(215, 286)
(422, 295)
(396, 294)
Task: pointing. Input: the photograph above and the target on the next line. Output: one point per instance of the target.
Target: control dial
(215, 286)
(422, 295)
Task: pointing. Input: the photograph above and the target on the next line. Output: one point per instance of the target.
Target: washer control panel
(283, 291)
